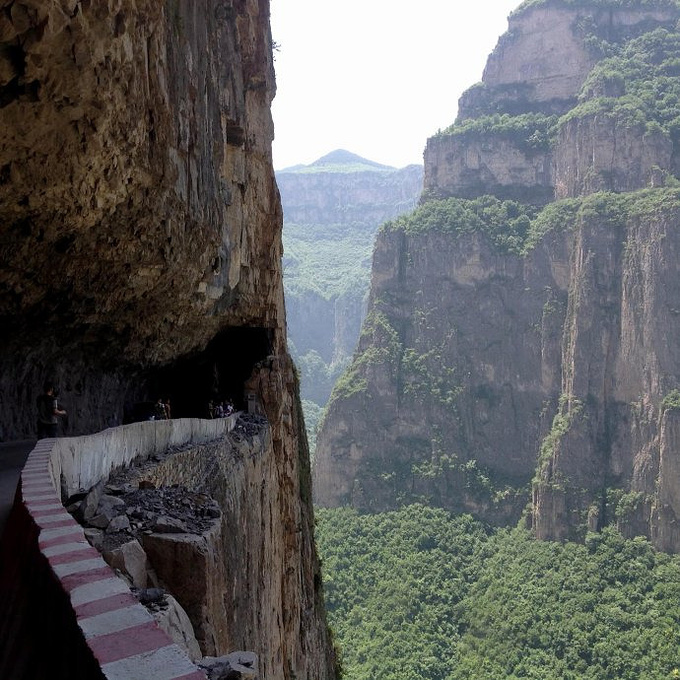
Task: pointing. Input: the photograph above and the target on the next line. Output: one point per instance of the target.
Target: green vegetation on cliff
(569, 410)
(638, 85)
(671, 400)
(384, 349)
(596, 4)
(419, 594)
(634, 82)
(516, 228)
(531, 132)
(506, 223)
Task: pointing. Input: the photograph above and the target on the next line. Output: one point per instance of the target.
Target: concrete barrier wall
(63, 611)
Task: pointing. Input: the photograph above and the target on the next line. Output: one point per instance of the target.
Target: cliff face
(473, 165)
(541, 62)
(537, 72)
(616, 423)
(139, 209)
(344, 189)
(141, 248)
(596, 153)
(522, 350)
(217, 577)
(429, 408)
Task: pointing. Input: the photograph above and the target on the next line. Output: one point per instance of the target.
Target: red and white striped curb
(122, 635)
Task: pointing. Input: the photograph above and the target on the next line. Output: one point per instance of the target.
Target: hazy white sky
(375, 77)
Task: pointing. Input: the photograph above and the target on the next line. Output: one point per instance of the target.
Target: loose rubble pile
(117, 516)
(122, 512)
(247, 426)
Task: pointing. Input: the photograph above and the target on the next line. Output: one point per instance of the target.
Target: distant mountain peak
(342, 157)
(340, 161)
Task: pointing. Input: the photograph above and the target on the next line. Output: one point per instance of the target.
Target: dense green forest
(419, 594)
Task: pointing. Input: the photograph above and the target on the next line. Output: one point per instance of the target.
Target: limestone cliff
(519, 347)
(141, 245)
(429, 408)
(502, 142)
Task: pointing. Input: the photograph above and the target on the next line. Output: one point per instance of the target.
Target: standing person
(48, 412)
(159, 411)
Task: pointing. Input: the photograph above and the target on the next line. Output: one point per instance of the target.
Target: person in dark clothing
(159, 410)
(48, 413)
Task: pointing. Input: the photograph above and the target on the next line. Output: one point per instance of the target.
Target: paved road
(12, 458)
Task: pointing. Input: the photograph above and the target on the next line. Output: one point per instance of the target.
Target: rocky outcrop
(432, 410)
(472, 165)
(141, 250)
(542, 61)
(523, 351)
(615, 427)
(598, 153)
(536, 72)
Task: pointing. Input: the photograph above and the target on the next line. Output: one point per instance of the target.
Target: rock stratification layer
(141, 248)
(519, 342)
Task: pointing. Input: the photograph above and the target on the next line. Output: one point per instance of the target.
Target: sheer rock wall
(619, 362)
(139, 210)
(485, 329)
(539, 66)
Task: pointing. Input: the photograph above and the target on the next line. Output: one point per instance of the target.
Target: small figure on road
(159, 411)
(48, 412)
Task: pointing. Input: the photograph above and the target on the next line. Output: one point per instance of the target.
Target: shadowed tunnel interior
(217, 373)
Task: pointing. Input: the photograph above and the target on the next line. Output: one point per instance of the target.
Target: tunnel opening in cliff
(216, 374)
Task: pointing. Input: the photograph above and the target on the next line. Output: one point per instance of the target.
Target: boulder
(110, 506)
(120, 523)
(131, 559)
(169, 525)
(175, 622)
(234, 666)
(99, 521)
(152, 596)
(117, 489)
(90, 503)
(95, 537)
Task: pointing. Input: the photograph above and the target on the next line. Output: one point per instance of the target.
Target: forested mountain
(521, 341)
(332, 209)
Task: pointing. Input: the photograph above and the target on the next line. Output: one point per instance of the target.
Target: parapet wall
(63, 611)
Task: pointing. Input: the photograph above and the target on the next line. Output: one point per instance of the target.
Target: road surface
(12, 458)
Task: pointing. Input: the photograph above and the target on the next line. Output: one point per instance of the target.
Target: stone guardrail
(66, 613)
